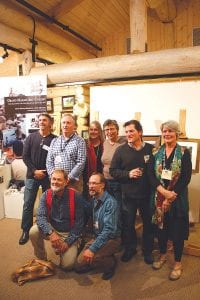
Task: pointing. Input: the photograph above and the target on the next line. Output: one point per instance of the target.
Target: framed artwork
(68, 101)
(56, 123)
(49, 105)
(193, 147)
(85, 134)
(152, 139)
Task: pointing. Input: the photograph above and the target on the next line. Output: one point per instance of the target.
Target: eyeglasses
(93, 183)
(109, 129)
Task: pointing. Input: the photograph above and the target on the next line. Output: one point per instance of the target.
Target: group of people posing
(100, 184)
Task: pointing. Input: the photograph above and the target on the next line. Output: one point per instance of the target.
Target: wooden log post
(138, 25)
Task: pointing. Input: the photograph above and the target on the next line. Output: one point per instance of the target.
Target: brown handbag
(35, 269)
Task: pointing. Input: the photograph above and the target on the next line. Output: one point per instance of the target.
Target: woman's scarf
(92, 159)
(175, 167)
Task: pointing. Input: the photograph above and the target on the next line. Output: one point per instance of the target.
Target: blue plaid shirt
(105, 220)
(67, 154)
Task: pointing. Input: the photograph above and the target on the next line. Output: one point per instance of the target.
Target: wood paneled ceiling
(92, 19)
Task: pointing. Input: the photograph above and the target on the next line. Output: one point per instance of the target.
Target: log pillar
(138, 25)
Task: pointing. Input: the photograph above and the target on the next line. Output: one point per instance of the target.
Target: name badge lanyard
(167, 172)
(95, 221)
(65, 143)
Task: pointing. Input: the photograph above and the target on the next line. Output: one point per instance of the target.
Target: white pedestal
(13, 204)
(5, 176)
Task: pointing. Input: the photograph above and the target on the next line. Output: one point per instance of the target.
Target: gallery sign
(24, 104)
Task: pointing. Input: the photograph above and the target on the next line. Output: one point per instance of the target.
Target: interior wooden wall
(176, 34)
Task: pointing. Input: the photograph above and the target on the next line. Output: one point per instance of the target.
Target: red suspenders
(71, 204)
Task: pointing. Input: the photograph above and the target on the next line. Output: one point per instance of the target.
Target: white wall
(157, 102)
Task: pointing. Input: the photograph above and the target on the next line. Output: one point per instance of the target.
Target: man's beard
(56, 189)
(94, 194)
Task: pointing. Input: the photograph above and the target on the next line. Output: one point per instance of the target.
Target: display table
(5, 176)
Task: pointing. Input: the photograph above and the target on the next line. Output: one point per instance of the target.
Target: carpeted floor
(133, 280)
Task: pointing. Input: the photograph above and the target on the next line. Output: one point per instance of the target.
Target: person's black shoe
(148, 259)
(128, 254)
(24, 238)
(109, 273)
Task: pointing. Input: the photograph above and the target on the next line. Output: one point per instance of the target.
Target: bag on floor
(33, 270)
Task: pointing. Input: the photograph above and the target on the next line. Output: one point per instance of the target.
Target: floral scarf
(175, 167)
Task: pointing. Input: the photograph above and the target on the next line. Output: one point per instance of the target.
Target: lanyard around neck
(65, 142)
(164, 159)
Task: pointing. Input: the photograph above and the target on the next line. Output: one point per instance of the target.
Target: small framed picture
(152, 139)
(85, 134)
(49, 105)
(193, 145)
(68, 101)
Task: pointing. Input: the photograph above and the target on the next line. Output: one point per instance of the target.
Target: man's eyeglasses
(109, 129)
(93, 183)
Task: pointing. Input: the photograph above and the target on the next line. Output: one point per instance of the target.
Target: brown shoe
(176, 273)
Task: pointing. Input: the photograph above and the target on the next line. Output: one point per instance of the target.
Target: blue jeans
(30, 193)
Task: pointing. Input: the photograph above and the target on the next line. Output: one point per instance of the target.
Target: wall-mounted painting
(68, 101)
(50, 105)
(152, 139)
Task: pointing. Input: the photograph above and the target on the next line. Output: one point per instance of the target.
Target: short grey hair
(171, 124)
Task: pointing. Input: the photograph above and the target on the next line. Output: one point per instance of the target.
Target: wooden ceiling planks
(93, 19)
(44, 31)
(63, 7)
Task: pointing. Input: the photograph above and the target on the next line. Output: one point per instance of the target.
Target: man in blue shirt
(68, 152)
(60, 221)
(99, 251)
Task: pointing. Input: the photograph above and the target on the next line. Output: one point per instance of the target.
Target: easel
(182, 122)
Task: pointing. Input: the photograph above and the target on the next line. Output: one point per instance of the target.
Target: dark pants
(175, 229)
(114, 188)
(30, 193)
(104, 258)
(129, 237)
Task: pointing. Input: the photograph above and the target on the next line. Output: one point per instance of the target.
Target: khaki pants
(104, 258)
(67, 259)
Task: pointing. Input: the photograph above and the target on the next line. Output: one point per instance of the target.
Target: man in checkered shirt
(68, 152)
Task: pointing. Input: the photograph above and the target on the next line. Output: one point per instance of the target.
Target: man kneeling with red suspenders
(59, 219)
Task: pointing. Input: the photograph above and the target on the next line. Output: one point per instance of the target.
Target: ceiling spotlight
(5, 54)
(2, 57)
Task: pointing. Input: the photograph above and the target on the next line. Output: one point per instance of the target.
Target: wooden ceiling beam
(157, 63)
(165, 9)
(19, 40)
(63, 8)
